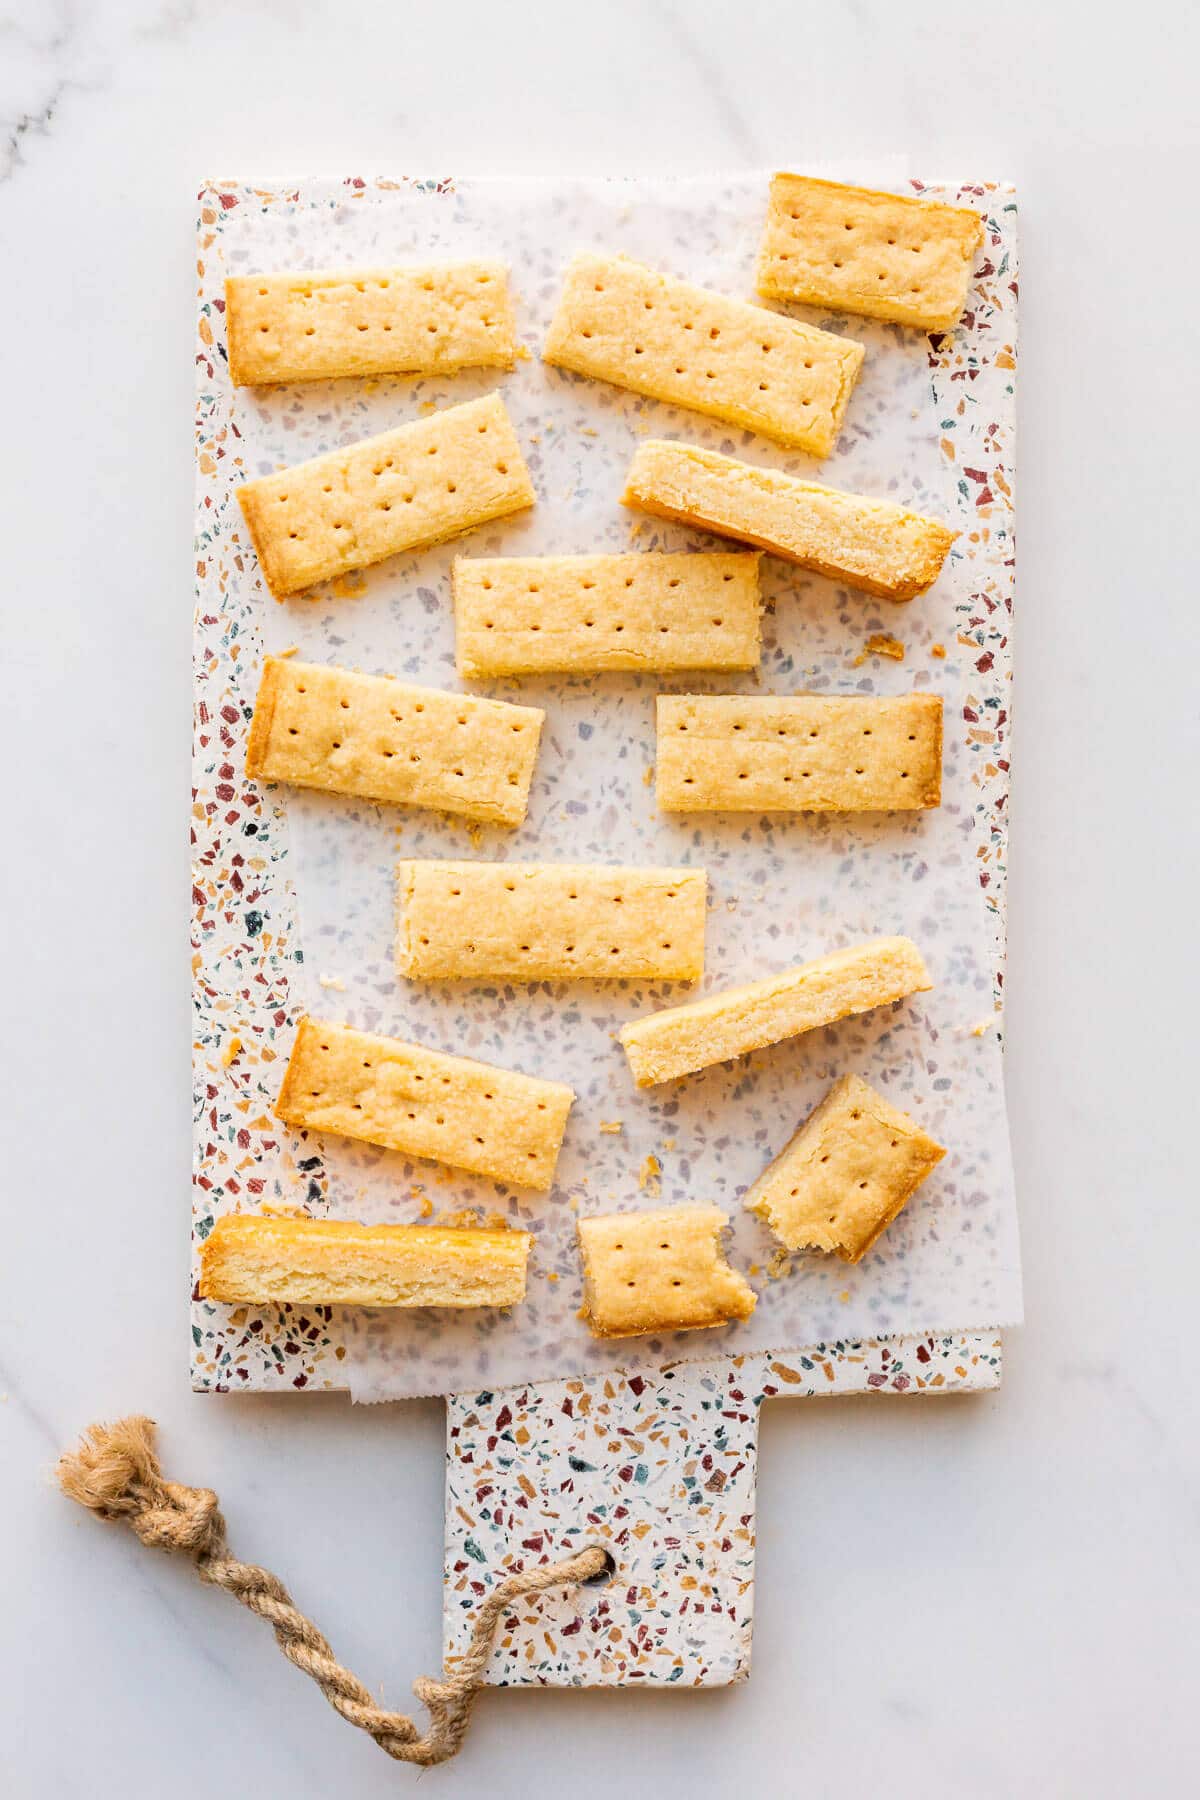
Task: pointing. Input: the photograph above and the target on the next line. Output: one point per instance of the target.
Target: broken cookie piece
(844, 1176)
(659, 1271)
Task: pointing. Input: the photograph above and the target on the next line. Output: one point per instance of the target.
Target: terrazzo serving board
(657, 1462)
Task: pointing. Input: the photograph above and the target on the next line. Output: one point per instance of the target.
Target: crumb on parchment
(468, 1219)
(611, 1127)
(650, 1175)
(880, 643)
(332, 981)
(938, 650)
(290, 651)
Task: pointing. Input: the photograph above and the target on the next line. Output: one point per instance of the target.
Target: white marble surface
(958, 1599)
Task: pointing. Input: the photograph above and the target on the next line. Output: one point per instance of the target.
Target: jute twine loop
(115, 1473)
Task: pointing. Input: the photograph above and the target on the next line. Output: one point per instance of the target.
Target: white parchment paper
(781, 889)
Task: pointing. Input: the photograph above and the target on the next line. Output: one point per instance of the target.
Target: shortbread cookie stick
(798, 753)
(868, 544)
(267, 1261)
(681, 1039)
(524, 615)
(321, 727)
(859, 251)
(659, 1271)
(418, 485)
(846, 1173)
(412, 321)
(620, 322)
(549, 921)
(448, 1108)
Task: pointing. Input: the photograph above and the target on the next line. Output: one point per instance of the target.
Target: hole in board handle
(602, 1576)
